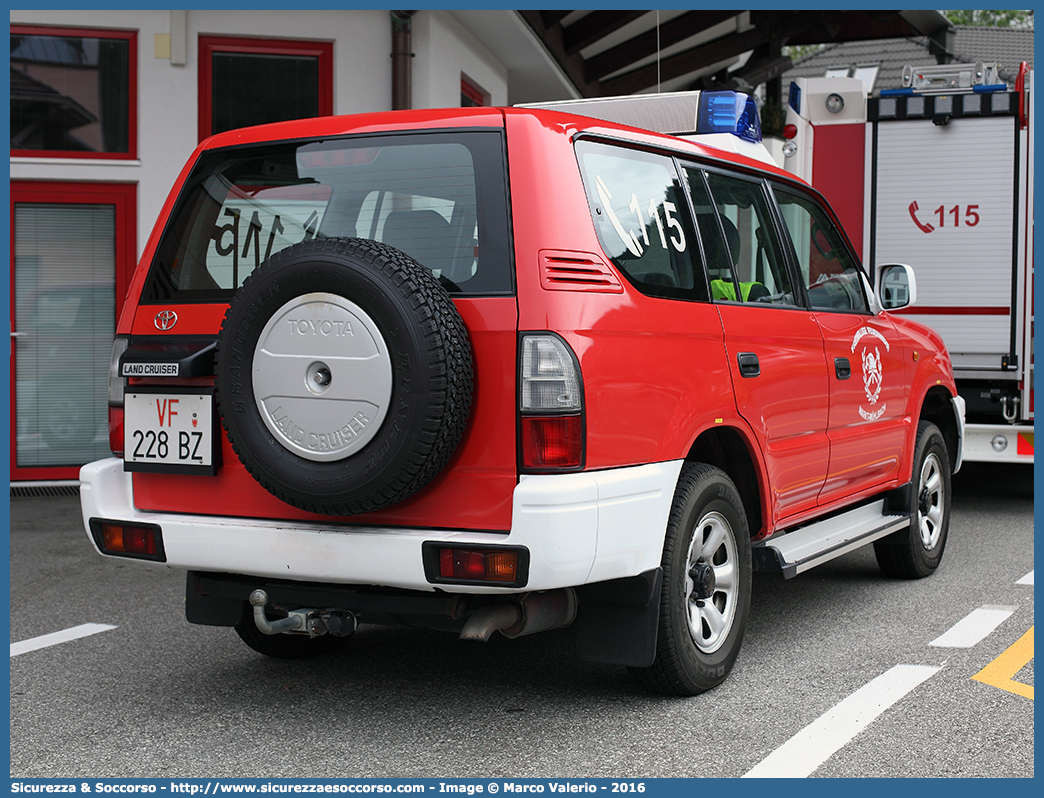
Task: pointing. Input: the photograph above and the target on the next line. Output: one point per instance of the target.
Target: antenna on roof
(657, 51)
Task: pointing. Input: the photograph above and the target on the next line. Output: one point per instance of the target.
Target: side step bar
(806, 547)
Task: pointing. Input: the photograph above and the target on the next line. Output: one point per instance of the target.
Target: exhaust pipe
(491, 618)
(535, 612)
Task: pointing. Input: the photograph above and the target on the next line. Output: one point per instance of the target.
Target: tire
(916, 552)
(344, 376)
(285, 646)
(705, 599)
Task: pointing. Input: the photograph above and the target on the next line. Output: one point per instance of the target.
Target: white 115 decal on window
(627, 236)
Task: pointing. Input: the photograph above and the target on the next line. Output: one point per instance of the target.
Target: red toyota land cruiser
(512, 369)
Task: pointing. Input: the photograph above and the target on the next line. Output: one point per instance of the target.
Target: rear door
(439, 196)
(775, 347)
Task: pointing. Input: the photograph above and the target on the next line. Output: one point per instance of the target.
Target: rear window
(439, 197)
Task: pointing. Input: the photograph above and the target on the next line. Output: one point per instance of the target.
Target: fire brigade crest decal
(868, 342)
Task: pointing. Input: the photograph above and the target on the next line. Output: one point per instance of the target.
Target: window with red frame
(245, 82)
(73, 92)
(471, 95)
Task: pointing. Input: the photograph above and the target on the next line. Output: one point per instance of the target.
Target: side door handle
(748, 364)
(842, 368)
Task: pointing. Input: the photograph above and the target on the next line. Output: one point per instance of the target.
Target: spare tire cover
(344, 375)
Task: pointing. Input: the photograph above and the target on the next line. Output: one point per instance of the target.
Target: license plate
(169, 430)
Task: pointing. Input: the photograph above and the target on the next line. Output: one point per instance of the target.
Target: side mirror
(896, 286)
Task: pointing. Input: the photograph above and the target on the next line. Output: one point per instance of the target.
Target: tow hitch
(312, 622)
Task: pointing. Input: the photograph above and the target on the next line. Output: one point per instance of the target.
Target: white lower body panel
(578, 528)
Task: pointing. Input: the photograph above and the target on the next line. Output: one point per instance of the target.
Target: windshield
(439, 197)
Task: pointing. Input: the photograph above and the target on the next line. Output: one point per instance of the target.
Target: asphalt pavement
(154, 696)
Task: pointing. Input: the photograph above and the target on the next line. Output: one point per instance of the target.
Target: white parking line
(812, 746)
(1026, 580)
(53, 639)
(973, 627)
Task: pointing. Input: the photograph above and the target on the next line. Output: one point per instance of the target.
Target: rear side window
(641, 214)
(441, 198)
(831, 276)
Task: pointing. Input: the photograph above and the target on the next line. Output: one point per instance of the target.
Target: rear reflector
(475, 564)
(552, 442)
(141, 541)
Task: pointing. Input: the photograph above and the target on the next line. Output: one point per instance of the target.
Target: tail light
(551, 403)
(493, 566)
(552, 442)
(119, 346)
(469, 563)
(118, 538)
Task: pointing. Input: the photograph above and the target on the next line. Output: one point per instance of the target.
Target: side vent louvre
(577, 271)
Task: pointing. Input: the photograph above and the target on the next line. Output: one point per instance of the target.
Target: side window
(642, 218)
(751, 237)
(717, 253)
(829, 271)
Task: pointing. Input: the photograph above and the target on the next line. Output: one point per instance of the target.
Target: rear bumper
(578, 528)
(999, 443)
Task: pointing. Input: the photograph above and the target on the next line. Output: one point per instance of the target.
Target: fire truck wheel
(344, 375)
(916, 552)
(705, 599)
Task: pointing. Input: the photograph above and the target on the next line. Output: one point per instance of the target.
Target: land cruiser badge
(866, 341)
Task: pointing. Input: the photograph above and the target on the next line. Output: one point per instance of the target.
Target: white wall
(444, 50)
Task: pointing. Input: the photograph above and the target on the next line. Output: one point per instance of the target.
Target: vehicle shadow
(993, 480)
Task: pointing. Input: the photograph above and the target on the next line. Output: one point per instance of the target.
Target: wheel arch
(937, 407)
(728, 449)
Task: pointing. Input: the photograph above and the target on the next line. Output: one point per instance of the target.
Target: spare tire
(344, 375)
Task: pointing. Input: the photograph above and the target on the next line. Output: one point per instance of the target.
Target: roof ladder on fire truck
(949, 79)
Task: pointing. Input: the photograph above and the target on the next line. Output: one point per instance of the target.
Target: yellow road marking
(1001, 671)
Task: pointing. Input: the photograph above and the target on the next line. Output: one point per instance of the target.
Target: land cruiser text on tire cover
(511, 369)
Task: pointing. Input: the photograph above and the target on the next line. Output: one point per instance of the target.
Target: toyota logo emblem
(165, 319)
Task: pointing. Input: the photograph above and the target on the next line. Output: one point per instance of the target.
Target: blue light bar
(729, 112)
